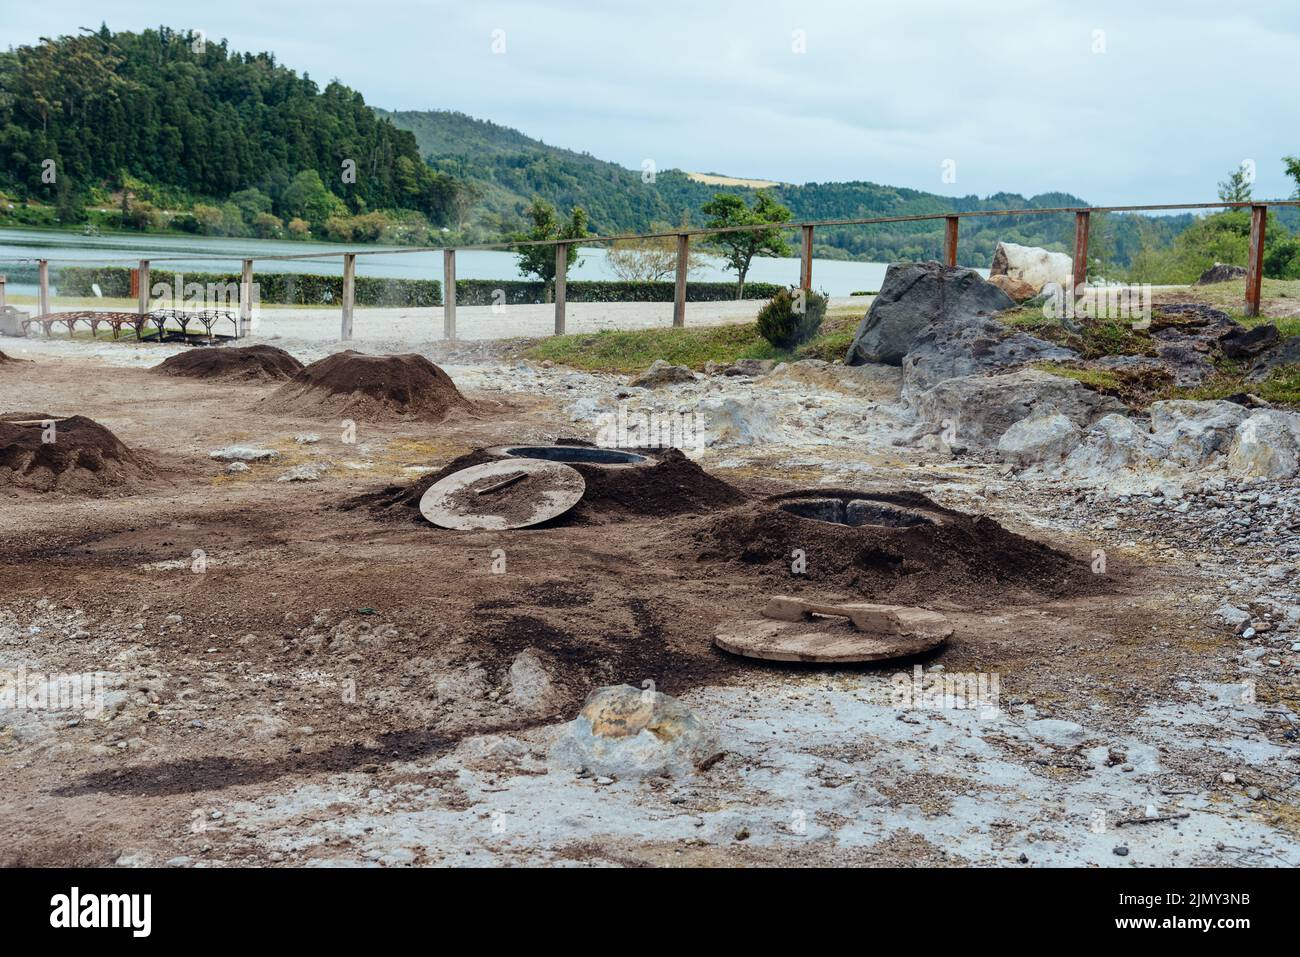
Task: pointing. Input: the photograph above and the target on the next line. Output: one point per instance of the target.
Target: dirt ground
(295, 679)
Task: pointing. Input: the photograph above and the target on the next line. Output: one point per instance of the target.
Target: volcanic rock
(913, 296)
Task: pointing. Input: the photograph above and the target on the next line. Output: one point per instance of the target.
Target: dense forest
(509, 168)
(172, 119)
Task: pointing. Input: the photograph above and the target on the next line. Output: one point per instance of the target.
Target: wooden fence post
(43, 300)
(2, 292)
(805, 259)
(245, 298)
(449, 295)
(679, 288)
(561, 271)
(349, 294)
(950, 241)
(143, 307)
(1079, 278)
(1255, 263)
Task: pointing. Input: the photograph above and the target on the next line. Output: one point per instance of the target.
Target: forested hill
(511, 168)
(172, 110)
(163, 129)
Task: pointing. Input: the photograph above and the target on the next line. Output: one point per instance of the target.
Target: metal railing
(1254, 270)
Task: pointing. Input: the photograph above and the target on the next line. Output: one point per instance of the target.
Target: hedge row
(514, 292)
(301, 289)
(307, 289)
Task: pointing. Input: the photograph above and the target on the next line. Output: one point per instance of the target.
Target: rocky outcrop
(945, 351)
(982, 408)
(1032, 266)
(1042, 437)
(1220, 272)
(662, 373)
(915, 296)
(1266, 445)
(1182, 442)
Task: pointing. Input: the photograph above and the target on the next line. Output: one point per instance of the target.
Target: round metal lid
(511, 493)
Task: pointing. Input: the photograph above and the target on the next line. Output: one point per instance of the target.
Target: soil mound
(669, 484)
(4, 358)
(243, 363)
(904, 549)
(370, 388)
(73, 454)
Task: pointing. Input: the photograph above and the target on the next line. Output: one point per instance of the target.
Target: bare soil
(264, 638)
(44, 452)
(370, 388)
(260, 363)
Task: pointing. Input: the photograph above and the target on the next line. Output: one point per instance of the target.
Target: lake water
(836, 277)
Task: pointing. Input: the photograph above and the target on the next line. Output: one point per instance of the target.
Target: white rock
(1064, 734)
(530, 685)
(1039, 438)
(1266, 445)
(1033, 265)
(243, 453)
(1193, 432)
(625, 732)
(307, 472)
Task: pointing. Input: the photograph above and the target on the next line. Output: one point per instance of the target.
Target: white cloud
(1013, 92)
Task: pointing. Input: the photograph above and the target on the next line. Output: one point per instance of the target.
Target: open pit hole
(574, 453)
(854, 512)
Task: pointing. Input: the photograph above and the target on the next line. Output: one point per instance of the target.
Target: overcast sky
(1117, 102)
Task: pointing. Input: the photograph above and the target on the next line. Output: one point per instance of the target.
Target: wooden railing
(807, 229)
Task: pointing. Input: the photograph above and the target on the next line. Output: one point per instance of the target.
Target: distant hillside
(511, 168)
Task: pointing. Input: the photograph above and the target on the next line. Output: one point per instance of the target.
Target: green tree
(1292, 164)
(539, 261)
(1237, 187)
(739, 248)
(308, 198)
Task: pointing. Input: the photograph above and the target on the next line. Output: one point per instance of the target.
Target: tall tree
(739, 248)
(539, 261)
(1237, 187)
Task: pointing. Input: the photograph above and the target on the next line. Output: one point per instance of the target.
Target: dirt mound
(4, 358)
(906, 549)
(247, 363)
(73, 454)
(670, 484)
(370, 388)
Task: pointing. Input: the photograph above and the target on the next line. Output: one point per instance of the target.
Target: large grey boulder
(913, 296)
(982, 408)
(1113, 444)
(1191, 431)
(11, 321)
(1043, 437)
(945, 351)
(1266, 445)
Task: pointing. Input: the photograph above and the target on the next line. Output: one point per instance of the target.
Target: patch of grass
(1102, 380)
(1096, 338)
(1279, 301)
(633, 350)
(1281, 387)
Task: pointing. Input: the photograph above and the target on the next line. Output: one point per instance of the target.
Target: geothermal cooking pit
(570, 454)
(853, 509)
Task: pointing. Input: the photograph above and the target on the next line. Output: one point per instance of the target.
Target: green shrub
(791, 317)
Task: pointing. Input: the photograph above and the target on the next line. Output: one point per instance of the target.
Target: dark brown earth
(965, 560)
(671, 484)
(370, 389)
(247, 363)
(83, 457)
